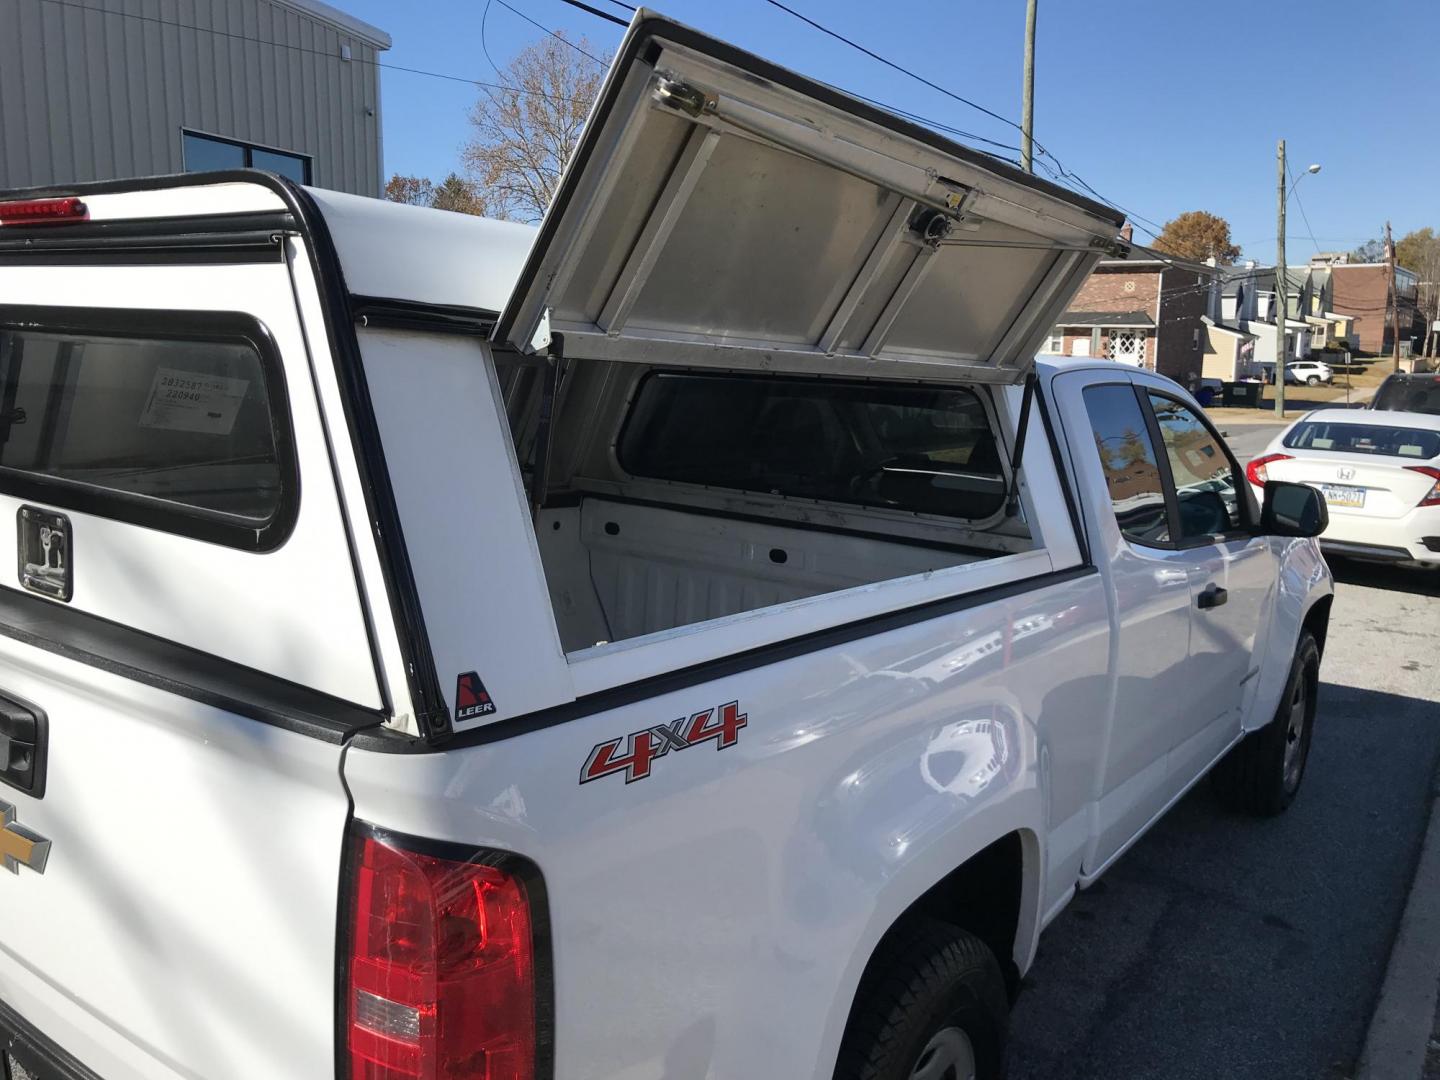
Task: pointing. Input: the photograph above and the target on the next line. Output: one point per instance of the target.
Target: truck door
(182, 651)
(1232, 575)
(1149, 583)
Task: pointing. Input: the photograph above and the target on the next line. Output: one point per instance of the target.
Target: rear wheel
(932, 1007)
(1262, 775)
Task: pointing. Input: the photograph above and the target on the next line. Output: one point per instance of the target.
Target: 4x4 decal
(642, 747)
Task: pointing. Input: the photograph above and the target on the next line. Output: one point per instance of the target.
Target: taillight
(442, 980)
(1432, 497)
(43, 211)
(1256, 472)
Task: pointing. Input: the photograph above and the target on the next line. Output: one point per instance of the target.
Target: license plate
(1337, 495)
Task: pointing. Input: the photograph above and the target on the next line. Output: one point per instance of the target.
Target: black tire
(1258, 777)
(926, 979)
(1313, 380)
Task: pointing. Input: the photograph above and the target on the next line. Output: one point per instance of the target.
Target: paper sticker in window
(187, 401)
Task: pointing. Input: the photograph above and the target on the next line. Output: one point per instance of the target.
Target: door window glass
(1205, 483)
(1132, 473)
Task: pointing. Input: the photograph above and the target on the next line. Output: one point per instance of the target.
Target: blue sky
(1161, 105)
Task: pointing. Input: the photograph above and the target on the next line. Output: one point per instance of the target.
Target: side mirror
(1293, 510)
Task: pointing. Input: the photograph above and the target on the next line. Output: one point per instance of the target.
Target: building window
(1055, 343)
(205, 153)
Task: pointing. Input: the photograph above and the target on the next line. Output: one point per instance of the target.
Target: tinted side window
(1132, 473)
(922, 449)
(1205, 484)
(178, 431)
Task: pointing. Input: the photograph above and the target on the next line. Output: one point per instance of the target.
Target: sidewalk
(1403, 1042)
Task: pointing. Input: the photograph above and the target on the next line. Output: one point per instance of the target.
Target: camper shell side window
(177, 421)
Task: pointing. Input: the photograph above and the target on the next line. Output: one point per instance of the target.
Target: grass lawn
(1354, 384)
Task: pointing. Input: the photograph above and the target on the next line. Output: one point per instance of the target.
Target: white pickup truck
(376, 570)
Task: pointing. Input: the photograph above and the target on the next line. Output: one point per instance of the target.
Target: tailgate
(184, 922)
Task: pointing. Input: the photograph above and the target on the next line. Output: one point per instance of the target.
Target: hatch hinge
(683, 97)
(1117, 247)
(1027, 402)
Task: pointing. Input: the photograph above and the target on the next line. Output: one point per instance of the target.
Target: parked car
(1407, 392)
(1300, 372)
(1379, 473)
(378, 568)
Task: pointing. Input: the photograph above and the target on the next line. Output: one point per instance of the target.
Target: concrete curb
(1404, 1016)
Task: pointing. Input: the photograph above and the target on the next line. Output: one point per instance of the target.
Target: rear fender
(1021, 813)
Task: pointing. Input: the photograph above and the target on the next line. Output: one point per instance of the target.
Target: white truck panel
(728, 889)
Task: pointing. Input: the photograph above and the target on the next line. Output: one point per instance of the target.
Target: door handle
(24, 736)
(1212, 596)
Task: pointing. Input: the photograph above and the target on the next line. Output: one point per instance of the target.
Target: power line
(892, 64)
(554, 34)
(1138, 219)
(600, 14)
(298, 48)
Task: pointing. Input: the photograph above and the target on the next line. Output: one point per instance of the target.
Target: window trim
(1246, 529)
(147, 511)
(307, 160)
(987, 406)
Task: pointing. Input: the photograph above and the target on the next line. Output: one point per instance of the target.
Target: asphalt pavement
(1227, 946)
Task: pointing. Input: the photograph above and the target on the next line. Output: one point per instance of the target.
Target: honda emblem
(1345, 473)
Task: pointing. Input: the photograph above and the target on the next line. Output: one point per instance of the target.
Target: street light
(1282, 306)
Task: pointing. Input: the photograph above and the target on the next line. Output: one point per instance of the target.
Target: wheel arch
(994, 894)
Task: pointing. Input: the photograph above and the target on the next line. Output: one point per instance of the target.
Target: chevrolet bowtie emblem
(19, 846)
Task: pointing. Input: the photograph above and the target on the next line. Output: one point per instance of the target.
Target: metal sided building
(105, 89)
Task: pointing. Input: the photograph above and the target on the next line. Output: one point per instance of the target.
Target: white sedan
(1379, 473)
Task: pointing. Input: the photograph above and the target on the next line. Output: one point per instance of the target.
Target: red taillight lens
(1432, 497)
(43, 211)
(1256, 472)
(442, 968)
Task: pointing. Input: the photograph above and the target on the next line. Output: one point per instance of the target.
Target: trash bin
(1241, 395)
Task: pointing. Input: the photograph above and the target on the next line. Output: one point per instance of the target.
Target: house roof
(1105, 318)
(1140, 255)
(318, 9)
(1233, 331)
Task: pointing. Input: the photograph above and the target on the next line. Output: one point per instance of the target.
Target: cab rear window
(1379, 439)
(171, 420)
(922, 449)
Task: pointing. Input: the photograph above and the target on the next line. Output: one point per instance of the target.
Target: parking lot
(1225, 946)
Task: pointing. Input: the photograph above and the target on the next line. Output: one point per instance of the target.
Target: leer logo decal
(471, 699)
(643, 747)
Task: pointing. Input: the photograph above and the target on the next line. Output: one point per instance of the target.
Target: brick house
(1362, 291)
(1146, 309)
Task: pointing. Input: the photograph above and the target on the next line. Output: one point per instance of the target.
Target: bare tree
(525, 131)
(410, 190)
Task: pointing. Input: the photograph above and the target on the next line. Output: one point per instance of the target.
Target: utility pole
(1027, 104)
(1282, 314)
(1393, 298)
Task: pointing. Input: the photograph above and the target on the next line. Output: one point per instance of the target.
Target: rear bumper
(1412, 538)
(35, 1053)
